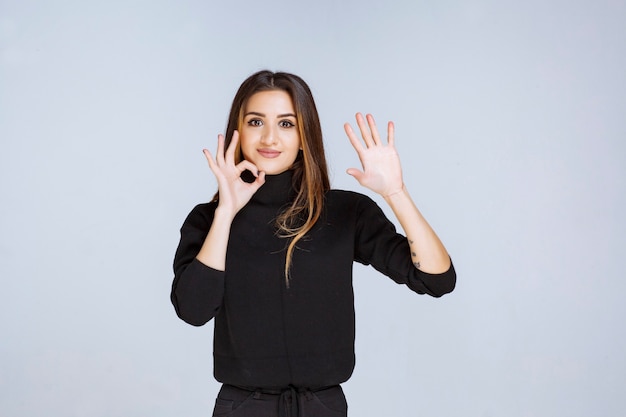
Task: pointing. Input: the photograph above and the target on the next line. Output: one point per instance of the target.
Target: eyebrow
(280, 116)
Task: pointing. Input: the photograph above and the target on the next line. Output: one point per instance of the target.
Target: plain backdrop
(510, 121)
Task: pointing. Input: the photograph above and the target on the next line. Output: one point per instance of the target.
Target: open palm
(382, 172)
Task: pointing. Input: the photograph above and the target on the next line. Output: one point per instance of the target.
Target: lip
(268, 153)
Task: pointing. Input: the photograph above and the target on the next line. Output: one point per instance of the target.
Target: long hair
(310, 174)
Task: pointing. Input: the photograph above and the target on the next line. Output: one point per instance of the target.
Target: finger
(373, 129)
(247, 165)
(357, 174)
(208, 156)
(230, 152)
(391, 131)
(260, 179)
(365, 132)
(210, 160)
(354, 140)
(219, 156)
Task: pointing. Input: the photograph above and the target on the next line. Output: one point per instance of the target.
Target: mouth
(268, 153)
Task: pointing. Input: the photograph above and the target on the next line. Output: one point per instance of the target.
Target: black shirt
(271, 335)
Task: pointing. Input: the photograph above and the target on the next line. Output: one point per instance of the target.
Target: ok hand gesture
(234, 192)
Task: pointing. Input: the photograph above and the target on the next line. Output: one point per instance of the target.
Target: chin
(271, 169)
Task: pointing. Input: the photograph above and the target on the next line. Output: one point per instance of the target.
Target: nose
(269, 135)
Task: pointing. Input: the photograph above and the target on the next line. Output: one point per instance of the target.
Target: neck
(278, 189)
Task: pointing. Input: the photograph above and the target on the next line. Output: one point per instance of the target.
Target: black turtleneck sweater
(269, 335)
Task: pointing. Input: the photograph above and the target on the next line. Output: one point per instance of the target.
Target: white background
(510, 121)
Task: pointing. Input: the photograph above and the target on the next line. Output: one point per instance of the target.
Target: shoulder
(204, 209)
(201, 215)
(350, 201)
(358, 210)
(347, 197)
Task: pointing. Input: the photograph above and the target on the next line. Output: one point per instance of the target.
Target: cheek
(297, 143)
(294, 149)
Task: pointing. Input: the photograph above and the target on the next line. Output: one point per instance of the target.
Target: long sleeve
(197, 290)
(378, 244)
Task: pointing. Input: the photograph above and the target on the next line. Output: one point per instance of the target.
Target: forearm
(213, 250)
(197, 293)
(427, 252)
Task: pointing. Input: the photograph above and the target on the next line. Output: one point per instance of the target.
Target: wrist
(224, 214)
(395, 192)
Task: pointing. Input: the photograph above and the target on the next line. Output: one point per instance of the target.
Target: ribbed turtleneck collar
(277, 189)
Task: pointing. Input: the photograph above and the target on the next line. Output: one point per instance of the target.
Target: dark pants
(291, 402)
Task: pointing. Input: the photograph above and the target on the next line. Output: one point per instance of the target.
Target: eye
(286, 123)
(255, 122)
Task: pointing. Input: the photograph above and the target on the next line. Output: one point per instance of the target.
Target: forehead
(270, 102)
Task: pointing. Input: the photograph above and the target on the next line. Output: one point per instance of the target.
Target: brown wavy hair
(310, 173)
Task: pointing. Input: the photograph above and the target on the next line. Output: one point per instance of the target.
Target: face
(269, 136)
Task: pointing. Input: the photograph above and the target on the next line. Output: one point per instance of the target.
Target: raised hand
(234, 192)
(381, 172)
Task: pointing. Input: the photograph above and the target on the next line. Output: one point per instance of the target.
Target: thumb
(259, 181)
(357, 174)
(261, 178)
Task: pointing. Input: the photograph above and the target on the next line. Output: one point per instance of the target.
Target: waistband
(278, 391)
(289, 398)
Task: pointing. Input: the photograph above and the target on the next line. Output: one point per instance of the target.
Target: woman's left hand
(381, 172)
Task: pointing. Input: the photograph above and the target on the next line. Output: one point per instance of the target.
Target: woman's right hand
(234, 192)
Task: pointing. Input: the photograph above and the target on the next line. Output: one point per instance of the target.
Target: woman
(270, 257)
